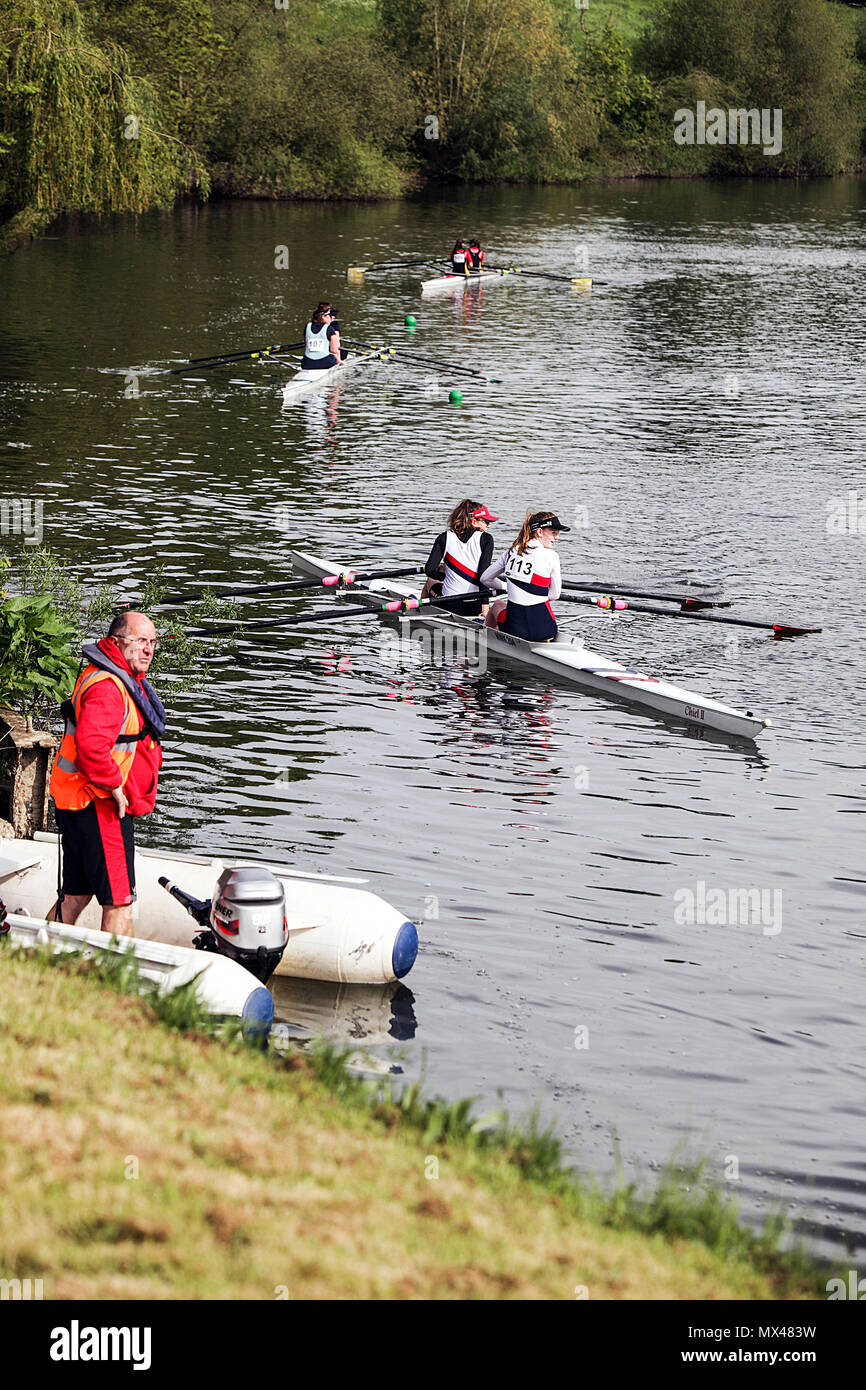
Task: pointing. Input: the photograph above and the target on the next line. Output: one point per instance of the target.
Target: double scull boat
(461, 281)
(565, 659)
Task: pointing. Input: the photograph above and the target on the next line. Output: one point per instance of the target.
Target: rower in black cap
(322, 339)
(532, 580)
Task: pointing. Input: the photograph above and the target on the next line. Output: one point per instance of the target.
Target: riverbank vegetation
(46, 615)
(122, 105)
(146, 1158)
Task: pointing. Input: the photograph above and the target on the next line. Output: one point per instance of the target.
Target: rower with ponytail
(533, 580)
(460, 553)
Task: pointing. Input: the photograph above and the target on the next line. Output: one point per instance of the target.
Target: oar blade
(783, 630)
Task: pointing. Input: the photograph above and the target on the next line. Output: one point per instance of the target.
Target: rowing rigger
(565, 659)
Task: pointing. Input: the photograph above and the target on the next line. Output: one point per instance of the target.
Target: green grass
(146, 1158)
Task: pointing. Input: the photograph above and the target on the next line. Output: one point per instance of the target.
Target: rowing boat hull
(444, 283)
(453, 282)
(568, 659)
(306, 381)
(337, 930)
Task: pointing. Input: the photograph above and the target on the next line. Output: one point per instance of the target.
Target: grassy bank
(143, 1162)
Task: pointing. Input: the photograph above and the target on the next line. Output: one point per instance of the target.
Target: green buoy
(455, 397)
(410, 321)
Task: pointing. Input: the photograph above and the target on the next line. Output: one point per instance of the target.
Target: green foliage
(324, 98)
(41, 572)
(627, 97)
(38, 663)
(792, 55)
(293, 102)
(178, 656)
(48, 589)
(79, 130)
(38, 658)
(499, 90)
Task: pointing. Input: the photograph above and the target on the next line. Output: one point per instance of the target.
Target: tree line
(122, 105)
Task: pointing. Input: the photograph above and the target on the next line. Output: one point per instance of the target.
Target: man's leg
(117, 889)
(118, 921)
(70, 909)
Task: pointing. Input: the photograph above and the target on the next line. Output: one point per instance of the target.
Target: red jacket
(102, 715)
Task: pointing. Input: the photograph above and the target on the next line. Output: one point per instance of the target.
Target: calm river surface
(703, 415)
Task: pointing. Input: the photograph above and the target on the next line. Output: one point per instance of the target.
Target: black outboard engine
(245, 919)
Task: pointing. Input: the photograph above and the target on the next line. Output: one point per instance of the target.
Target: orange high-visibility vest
(69, 787)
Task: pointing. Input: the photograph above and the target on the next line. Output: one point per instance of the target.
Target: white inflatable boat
(337, 930)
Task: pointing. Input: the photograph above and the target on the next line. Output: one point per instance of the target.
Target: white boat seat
(9, 868)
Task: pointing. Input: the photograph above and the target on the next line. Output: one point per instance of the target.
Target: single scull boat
(307, 380)
(566, 659)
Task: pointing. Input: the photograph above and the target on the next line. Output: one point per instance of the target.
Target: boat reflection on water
(319, 413)
(343, 1012)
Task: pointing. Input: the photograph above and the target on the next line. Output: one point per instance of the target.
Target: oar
(393, 265)
(399, 605)
(544, 275)
(619, 605)
(331, 581)
(601, 588)
(201, 364)
(425, 361)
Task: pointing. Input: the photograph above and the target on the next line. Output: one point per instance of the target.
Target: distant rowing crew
(527, 574)
(465, 265)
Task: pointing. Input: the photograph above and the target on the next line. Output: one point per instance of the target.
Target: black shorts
(533, 622)
(98, 853)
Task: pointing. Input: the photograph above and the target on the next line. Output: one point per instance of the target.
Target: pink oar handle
(401, 605)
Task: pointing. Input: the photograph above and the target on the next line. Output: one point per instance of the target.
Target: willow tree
(78, 131)
(498, 85)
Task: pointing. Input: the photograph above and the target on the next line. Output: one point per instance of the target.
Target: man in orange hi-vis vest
(106, 772)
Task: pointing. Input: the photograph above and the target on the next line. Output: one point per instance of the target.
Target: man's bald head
(135, 635)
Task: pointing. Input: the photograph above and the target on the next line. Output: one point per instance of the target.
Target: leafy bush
(792, 55)
(38, 662)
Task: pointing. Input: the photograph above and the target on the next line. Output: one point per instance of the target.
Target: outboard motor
(245, 919)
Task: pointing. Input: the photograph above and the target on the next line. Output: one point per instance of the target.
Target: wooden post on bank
(25, 766)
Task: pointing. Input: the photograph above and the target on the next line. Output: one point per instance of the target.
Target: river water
(698, 419)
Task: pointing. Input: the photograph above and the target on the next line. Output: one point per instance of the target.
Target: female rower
(460, 554)
(322, 339)
(532, 579)
(460, 259)
(475, 254)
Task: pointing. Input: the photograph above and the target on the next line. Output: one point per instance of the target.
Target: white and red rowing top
(462, 561)
(531, 578)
